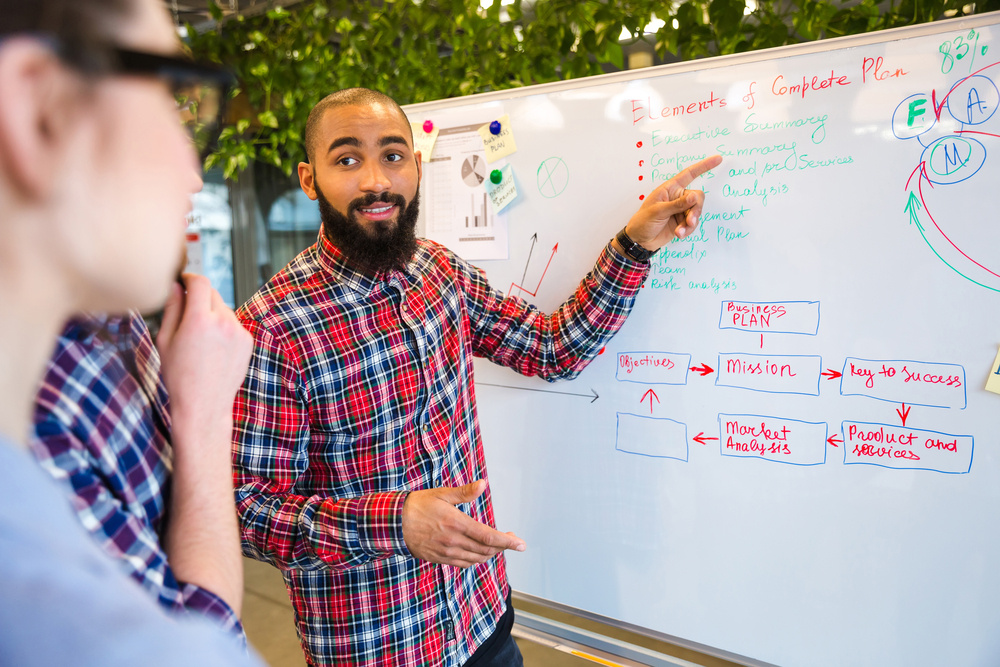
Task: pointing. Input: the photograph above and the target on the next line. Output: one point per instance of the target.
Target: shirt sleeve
(513, 333)
(66, 447)
(271, 452)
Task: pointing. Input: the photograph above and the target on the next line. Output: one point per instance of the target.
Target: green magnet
(496, 176)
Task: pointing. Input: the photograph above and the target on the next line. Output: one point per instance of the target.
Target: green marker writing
(915, 110)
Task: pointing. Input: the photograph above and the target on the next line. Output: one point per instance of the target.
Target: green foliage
(286, 60)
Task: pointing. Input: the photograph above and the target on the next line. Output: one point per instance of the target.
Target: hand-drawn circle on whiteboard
(952, 159)
(913, 116)
(474, 171)
(552, 177)
(973, 100)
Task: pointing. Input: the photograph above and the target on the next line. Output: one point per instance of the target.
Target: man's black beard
(383, 248)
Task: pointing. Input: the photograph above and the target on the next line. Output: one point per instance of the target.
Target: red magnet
(428, 126)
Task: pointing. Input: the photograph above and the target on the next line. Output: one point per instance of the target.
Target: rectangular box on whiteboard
(775, 374)
(651, 436)
(653, 367)
(776, 439)
(911, 382)
(795, 317)
(906, 448)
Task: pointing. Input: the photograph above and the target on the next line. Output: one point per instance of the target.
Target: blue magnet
(495, 127)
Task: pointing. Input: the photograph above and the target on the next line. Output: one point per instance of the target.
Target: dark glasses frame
(173, 69)
(177, 71)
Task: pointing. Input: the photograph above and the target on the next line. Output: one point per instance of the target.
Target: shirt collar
(86, 325)
(129, 336)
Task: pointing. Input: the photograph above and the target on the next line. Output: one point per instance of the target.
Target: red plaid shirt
(360, 389)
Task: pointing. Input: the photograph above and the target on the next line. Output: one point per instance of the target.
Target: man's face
(366, 177)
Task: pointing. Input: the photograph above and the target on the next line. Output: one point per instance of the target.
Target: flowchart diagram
(786, 440)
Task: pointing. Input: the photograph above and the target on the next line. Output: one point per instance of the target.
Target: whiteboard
(787, 453)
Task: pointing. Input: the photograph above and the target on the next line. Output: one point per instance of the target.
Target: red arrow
(920, 169)
(830, 375)
(701, 439)
(833, 441)
(920, 191)
(555, 249)
(704, 369)
(904, 413)
(652, 395)
(938, 108)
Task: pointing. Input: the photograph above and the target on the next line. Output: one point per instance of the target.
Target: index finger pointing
(172, 312)
(490, 537)
(198, 293)
(684, 178)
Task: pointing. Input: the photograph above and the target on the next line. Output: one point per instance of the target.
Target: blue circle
(903, 130)
(978, 109)
(953, 159)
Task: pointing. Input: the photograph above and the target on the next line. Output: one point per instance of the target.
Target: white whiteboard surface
(852, 229)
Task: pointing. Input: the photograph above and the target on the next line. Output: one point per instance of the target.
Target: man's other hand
(435, 530)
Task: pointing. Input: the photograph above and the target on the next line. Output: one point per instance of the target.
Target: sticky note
(993, 381)
(502, 193)
(498, 145)
(424, 141)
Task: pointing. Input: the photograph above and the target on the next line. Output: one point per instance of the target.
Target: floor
(267, 617)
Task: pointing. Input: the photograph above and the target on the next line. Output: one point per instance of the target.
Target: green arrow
(946, 262)
(912, 206)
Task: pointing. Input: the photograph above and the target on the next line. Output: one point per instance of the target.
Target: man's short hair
(342, 98)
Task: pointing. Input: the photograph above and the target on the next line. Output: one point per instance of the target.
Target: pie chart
(474, 171)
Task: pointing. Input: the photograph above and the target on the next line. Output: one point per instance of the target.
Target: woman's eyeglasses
(201, 89)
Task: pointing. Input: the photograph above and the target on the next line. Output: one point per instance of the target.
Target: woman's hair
(77, 25)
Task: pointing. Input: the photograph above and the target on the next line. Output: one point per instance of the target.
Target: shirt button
(425, 427)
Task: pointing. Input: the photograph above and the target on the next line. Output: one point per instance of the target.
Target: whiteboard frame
(834, 43)
(616, 646)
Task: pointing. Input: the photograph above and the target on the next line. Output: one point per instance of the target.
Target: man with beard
(358, 460)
